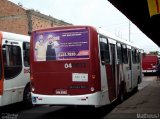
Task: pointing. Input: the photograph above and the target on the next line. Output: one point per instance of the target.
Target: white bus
(14, 69)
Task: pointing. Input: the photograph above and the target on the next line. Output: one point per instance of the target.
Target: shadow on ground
(81, 112)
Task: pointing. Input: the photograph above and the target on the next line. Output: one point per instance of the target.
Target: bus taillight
(92, 89)
(32, 84)
(93, 76)
(33, 89)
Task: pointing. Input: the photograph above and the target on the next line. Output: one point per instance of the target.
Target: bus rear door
(135, 68)
(111, 74)
(108, 67)
(130, 68)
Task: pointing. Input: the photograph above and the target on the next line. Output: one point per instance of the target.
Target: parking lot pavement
(144, 104)
(145, 101)
(146, 81)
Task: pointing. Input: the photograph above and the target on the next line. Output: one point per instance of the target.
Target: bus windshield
(61, 45)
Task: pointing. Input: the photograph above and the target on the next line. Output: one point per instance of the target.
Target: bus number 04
(67, 65)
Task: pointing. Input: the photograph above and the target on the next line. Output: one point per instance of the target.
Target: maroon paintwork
(49, 76)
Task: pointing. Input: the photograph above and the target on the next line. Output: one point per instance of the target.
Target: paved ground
(144, 104)
(146, 81)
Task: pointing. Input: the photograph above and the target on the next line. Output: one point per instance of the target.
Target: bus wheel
(139, 79)
(27, 97)
(121, 96)
(135, 90)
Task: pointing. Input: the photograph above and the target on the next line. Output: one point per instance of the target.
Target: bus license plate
(61, 91)
(79, 77)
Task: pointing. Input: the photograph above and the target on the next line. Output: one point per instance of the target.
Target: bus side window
(134, 57)
(138, 56)
(104, 50)
(12, 61)
(119, 53)
(124, 54)
(26, 47)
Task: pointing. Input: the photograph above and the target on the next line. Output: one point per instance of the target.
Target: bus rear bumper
(149, 71)
(94, 99)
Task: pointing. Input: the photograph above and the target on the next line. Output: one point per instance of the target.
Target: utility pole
(129, 31)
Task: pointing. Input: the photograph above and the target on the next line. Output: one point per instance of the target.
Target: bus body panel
(104, 86)
(135, 74)
(61, 77)
(127, 76)
(87, 99)
(133, 71)
(13, 87)
(129, 71)
(1, 78)
(136, 67)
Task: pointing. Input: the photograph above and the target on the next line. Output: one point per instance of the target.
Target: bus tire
(139, 80)
(135, 90)
(27, 97)
(121, 96)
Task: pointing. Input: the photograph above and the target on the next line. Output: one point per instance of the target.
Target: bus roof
(18, 37)
(113, 37)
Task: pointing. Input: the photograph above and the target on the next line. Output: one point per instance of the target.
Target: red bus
(82, 65)
(149, 63)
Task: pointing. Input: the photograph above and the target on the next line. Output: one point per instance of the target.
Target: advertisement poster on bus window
(61, 45)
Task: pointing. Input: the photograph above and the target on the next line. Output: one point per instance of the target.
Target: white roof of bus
(113, 37)
(14, 36)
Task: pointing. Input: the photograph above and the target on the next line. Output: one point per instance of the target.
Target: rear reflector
(92, 89)
(93, 76)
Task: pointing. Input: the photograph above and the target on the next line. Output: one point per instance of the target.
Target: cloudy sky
(99, 13)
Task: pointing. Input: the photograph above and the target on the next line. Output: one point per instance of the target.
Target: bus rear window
(61, 45)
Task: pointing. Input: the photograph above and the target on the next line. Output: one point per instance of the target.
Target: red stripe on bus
(157, 5)
(1, 80)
